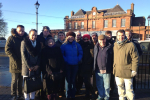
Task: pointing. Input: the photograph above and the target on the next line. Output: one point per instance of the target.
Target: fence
(143, 77)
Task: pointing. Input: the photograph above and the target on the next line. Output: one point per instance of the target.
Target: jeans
(16, 84)
(71, 72)
(103, 85)
(121, 90)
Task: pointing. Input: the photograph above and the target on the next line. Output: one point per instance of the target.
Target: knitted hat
(94, 33)
(86, 35)
(71, 34)
(101, 37)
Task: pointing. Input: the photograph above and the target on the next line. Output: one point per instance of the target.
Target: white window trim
(124, 22)
(75, 25)
(82, 25)
(69, 25)
(92, 24)
(115, 23)
(104, 24)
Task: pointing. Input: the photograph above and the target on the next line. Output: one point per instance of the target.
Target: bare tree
(3, 24)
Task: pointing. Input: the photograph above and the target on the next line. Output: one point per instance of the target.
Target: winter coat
(58, 43)
(52, 60)
(125, 59)
(109, 57)
(12, 49)
(72, 53)
(87, 59)
(30, 56)
(42, 39)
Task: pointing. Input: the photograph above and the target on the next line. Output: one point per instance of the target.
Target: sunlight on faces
(70, 38)
(85, 39)
(32, 35)
(20, 31)
(120, 36)
(102, 42)
(45, 33)
(78, 36)
(51, 42)
(94, 38)
(108, 36)
(128, 35)
(61, 36)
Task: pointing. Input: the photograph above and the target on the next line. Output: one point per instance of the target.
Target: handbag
(32, 83)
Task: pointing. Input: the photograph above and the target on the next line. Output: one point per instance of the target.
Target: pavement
(140, 94)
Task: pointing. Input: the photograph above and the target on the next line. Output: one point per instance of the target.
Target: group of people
(71, 61)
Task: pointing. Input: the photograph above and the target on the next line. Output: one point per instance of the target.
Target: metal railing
(143, 76)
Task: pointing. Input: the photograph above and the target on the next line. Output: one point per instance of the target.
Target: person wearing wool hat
(94, 37)
(87, 65)
(103, 64)
(72, 54)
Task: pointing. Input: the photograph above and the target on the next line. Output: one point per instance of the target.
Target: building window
(75, 25)
(114, 23)
(82, 25)
(105, 23)
(69, 25)
(123, 21)
(93, 24)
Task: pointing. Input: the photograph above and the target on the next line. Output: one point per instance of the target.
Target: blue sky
(23, 11)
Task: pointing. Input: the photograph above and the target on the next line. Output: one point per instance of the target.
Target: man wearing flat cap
(103, 64)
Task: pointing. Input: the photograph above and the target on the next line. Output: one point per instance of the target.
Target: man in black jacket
(58, 43)
(103, 65)
(12, 49)
(44, 34)
(79, 78)
(61, 39)
(128, 34)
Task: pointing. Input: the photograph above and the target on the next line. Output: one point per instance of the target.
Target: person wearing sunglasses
(87, 65)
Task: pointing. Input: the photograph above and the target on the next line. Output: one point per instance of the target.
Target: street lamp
(37, 6)
(148, 18)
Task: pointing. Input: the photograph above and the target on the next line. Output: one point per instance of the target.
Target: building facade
(111, 19)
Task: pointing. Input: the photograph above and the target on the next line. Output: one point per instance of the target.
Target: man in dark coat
(79, 78)
(103, 65)
(42, 39)
(59, 42)
(12, 49)
(44, 34)
(129, 37)
(61, 39)
(109, 39)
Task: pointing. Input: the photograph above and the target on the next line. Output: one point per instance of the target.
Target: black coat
(30, 56)
(58, 43)
(109, 57)
(42, 39)
(52, 60)
(12, 49)
(87, 59)
(137, 46)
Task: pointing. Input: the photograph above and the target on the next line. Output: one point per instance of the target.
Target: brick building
(106, 19)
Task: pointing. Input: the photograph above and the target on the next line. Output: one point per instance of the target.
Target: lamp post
(37, 6)
(148, 18)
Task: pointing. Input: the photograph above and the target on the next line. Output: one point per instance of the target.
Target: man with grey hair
(125, 65)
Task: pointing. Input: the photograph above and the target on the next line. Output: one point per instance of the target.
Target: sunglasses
(85, 39)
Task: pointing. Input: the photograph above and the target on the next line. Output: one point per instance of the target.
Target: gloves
(133, 73)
